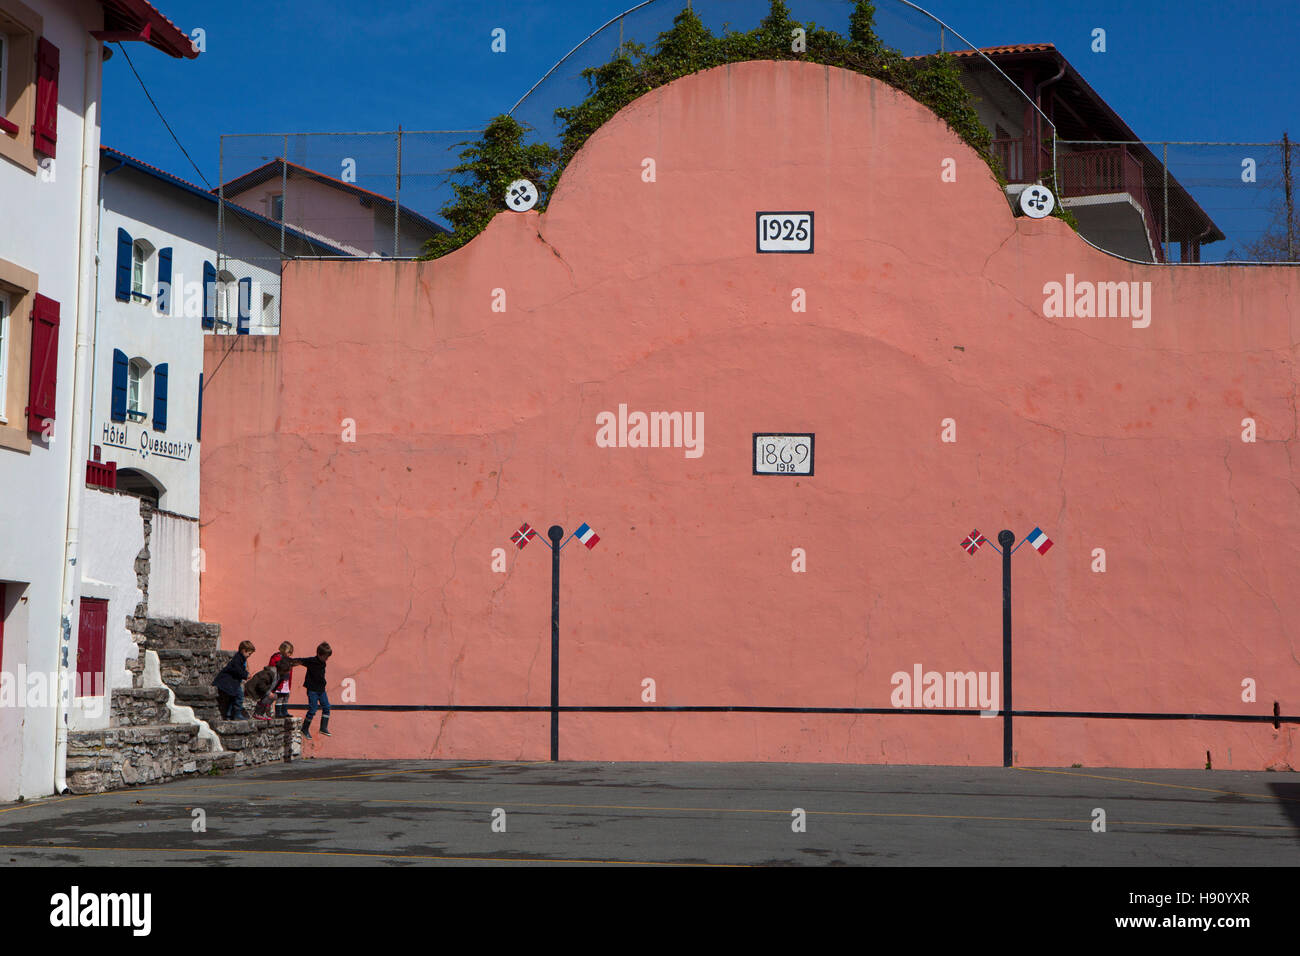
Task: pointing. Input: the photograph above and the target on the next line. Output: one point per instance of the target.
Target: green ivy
(501, 156)
(493, 162)
(1060, 212)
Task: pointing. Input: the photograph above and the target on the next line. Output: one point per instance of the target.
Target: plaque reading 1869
(783, 453)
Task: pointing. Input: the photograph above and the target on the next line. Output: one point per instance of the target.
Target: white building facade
(51, 56)
(163, 288)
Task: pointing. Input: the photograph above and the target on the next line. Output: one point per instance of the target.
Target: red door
(91, 638)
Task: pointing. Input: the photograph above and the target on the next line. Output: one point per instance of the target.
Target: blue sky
(1174, 70)
(1191, 70)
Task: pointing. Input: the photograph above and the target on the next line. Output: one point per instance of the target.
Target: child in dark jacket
(230, 683)
(261, 688)
(315, 684)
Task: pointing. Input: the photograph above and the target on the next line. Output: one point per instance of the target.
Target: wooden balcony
(1105, 171)
(1097, 172)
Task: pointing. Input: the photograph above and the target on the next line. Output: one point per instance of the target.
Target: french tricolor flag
(1039, 541)
(586, 535)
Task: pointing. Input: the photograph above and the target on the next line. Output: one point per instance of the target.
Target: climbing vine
(501, 156)
(498, 158)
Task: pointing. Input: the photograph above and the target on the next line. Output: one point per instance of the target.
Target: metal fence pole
(1166, 181)
(1056, 172)
(284, 191)
(397, 195)
(1290, 200)
(221, 201)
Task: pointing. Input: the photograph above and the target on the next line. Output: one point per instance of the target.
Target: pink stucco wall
(924, 302)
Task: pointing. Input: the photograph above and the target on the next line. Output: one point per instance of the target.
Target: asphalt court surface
(421, 813)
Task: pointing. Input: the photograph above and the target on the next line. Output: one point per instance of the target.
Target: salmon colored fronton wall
(925, 302)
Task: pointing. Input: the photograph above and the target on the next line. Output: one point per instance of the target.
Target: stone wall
(163, 725)
(189, 657)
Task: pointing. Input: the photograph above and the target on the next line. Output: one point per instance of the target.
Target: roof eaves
(1124, 132)
(127, 20)
(208, 196)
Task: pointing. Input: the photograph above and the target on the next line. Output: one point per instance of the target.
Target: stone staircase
(166, 724)
(189, 657)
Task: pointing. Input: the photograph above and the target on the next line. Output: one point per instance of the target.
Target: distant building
(331, 210)
(162, 289)
(1114, 189)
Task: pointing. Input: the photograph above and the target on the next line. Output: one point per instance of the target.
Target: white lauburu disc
(521, 195)
(1037, 202)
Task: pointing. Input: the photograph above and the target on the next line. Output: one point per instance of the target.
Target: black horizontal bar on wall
(882, 711)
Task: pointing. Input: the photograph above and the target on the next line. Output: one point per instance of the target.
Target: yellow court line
(371, 856)
(1153, 783)
(350, 776)
(28, 804)
(841, 813)
(786, 812)
(127, 791)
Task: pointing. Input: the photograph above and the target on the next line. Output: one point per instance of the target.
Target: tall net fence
(1183, 202)
(384, 195)
(322, 195)
(899, 25)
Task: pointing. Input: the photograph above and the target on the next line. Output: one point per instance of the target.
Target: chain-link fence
(383, 195)
(322, 195)
(1182, 202)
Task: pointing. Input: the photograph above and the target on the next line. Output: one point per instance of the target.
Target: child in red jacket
(283, 687)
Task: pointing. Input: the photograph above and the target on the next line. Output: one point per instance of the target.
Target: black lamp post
(1006, 539)
(555, 533)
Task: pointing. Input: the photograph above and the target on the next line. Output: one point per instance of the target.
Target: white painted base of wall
(151, 676)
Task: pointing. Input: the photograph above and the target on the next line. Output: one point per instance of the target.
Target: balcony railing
(1099, 172)
(1011, 153)
(101, 474)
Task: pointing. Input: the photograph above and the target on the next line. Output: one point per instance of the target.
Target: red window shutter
(43, 385)
(46, 128)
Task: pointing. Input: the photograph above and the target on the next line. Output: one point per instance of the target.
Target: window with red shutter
(46, 128)
(43, 385)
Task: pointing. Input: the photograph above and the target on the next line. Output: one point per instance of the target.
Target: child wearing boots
(230, 683)
(283, 687)
(261, 688)
(315, 685)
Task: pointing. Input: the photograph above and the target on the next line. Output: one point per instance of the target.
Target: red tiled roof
(145, 22)
(162, 172)
(1096, 117)
(211, 196)
(1009, 48)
